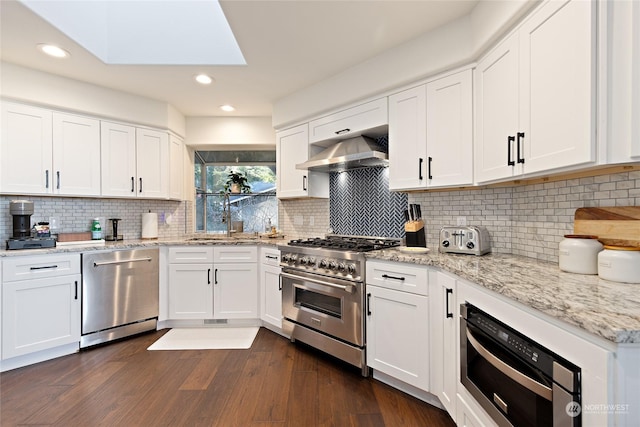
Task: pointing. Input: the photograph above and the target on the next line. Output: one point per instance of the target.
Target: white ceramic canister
(619, 264)
(578, 253)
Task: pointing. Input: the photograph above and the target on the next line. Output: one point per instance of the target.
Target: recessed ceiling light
(203, 79)
(227, 108)
(55, 51)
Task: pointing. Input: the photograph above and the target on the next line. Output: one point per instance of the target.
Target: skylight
(146, 32)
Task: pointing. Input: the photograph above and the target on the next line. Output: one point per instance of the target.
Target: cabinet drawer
(39, 266)
(270, 257)
(350, 122)
(190, 254)
(235, 254)
(398, 276)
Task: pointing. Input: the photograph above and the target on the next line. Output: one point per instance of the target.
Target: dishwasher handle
(123, 261)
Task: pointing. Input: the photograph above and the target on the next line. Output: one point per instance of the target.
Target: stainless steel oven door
(331, 306)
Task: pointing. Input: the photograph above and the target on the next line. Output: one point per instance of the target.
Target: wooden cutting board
(618, 225)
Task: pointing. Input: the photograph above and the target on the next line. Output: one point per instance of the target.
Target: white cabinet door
(118, 159)
(350, 122)
(25, 150)
(176, 168)
(191, 291)
(40, 314)
(271, 296)
(76, 155)
(152, 160)
(496, 123)
(450, 131)
(292, 148)
(557, 86)
(398, 335)
(408, 139)
(443, 321)
(235, 294)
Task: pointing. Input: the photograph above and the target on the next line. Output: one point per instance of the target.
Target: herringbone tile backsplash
(361, 204)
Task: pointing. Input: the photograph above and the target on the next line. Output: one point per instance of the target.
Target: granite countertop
(188, 240)
(606, 309)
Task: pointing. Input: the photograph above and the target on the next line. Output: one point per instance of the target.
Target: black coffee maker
(21, 210)
(114, 231)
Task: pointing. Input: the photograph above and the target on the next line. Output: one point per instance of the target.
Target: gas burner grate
(345, 243)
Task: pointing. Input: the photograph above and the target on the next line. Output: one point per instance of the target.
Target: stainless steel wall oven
(516, 380)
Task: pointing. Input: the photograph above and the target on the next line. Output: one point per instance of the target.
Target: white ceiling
(288, 45)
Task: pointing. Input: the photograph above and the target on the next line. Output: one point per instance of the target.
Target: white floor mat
(206, 339)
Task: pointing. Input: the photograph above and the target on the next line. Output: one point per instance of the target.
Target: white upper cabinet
(45, 152)
(76, 155)
(118, 160)
(431, 134)
(26, 158)
(535, 95)
(292, 148)
(176, 168)
(152, 160)
(371, 116)
(408, 139)
(450, 130)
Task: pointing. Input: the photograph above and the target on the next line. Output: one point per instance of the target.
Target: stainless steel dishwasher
(119, 294)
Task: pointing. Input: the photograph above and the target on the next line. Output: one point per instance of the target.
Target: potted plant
(236, 183)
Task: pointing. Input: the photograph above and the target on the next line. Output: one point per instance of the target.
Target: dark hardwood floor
(274, 383)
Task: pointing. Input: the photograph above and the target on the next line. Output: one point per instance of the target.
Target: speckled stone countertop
(607, 309)
(189, 240)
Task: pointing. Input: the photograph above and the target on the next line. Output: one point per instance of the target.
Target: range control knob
(293, 257)
(304, 260)
(470, 245)
(351, 268)
(324, 263)
(445, 243)
(286, 257)
(311, 261)
(333, 265)
(342, 266)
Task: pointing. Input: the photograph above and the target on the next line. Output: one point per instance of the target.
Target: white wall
(447, 47)
(49, 90)
(230, 133)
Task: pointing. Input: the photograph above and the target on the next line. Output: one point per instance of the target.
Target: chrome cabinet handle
(526, 382)
(304, 183)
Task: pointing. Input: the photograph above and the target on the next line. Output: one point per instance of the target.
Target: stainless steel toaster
(465, 240)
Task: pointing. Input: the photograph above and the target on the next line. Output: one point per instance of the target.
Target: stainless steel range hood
(353, 153)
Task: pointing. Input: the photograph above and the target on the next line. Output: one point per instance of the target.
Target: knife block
(415, 235)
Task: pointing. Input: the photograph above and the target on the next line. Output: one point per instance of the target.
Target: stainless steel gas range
(323, 295)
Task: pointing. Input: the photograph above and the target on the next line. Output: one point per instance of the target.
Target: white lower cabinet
(444, 326)
(397, 328)
(270, 288)
(190, 291)
(40, 304)
(200, 287)
(235, 291)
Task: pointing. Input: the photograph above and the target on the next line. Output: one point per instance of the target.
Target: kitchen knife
(419, 211)
(406, 215)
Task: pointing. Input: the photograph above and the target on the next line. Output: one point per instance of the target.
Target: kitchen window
(250, 212)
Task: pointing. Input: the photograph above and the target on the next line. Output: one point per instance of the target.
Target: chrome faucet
(226, 212)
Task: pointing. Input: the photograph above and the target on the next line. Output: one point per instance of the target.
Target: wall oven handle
(346, 288)
(534, 386)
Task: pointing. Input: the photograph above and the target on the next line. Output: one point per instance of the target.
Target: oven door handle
(346, 288)
(534, 386)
